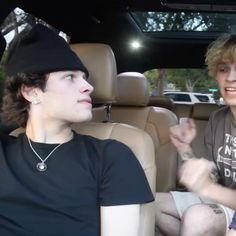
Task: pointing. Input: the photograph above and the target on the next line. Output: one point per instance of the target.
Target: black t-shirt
(82, 175)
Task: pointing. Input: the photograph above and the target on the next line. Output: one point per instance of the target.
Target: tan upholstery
(161, 101)
(131, 108)
(132, 91)
(183, 110)
(202, 111)
(100, 61)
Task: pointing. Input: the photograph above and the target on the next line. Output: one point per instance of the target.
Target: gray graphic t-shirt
(220, 142)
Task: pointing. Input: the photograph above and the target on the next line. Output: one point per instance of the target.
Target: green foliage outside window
(191, 80)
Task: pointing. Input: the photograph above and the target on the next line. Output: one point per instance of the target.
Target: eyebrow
(68, 73)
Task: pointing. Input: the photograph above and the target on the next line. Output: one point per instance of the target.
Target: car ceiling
(109, 22)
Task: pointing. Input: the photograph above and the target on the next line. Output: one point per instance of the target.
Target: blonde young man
(208, 208)
(54, 181)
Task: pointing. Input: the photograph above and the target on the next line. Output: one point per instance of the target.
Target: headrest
(2, 45)
(161, 101)
(132, 89)
(100, 61)
(202, 111)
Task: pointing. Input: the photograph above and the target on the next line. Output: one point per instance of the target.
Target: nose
(87, 87)
(232, 75)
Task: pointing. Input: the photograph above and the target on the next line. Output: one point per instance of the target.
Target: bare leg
(167, 218)
(231, 233)
(203, 220)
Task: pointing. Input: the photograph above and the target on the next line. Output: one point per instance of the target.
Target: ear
(31, 94)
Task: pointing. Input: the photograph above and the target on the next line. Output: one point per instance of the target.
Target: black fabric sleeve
(122, 179)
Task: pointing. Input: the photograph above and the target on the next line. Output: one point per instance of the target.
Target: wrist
(209, 190)
(185, 152)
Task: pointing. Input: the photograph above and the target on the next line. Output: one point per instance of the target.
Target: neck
(49, 133)
(233, 110)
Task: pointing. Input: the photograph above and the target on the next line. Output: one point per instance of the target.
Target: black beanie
(42, 51)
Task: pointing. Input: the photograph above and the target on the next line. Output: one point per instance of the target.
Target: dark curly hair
(14, 106)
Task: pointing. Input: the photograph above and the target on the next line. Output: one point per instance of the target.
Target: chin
(84, 118)
(79, 118)
(230, 102)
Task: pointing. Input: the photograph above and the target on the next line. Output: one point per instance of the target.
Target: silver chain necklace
(41, 166)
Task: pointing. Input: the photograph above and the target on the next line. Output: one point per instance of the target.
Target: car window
(179, 97)
(183, 84)
(172, 96)
(184, 98)
(202, 98)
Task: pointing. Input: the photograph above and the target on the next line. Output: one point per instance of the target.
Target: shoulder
(107, 149)
(218, 119)
(220, 113)
(105, 143)
(8, 141)
(6, 138)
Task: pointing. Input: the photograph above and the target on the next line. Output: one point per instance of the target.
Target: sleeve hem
(117, 203)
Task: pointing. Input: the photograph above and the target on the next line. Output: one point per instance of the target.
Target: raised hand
(181, 136)
(197, 174)
(183, 133)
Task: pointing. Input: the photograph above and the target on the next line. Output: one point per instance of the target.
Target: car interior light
(135, 44)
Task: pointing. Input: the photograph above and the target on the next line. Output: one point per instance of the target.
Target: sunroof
(18, 20)
(185, 21)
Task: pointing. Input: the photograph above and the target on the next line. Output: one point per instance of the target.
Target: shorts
(233, 223)
(184, 200)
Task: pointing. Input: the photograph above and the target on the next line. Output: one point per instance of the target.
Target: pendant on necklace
(41, 166)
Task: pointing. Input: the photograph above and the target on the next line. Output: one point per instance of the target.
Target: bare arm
(221, 194)
(196, 175)
(181, 136)
(120, 220)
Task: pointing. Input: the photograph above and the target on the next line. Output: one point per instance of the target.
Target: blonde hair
(222, 50)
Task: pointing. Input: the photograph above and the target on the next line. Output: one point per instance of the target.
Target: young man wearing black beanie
(54, 181)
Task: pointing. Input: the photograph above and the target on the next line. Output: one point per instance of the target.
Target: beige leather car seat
(180, 110)
(183, 110)
(100, 61)
(161, 101)
(131, 108)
